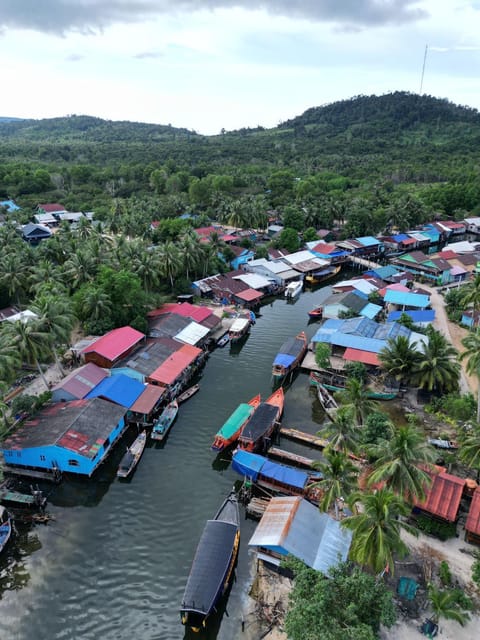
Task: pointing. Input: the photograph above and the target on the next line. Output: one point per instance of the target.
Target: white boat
(240, 327)
(293, 289)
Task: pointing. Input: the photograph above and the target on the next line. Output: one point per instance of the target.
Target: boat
(316, 313)
(132, 455)
(5, 528)
(316, 379)
(232, 428)
(188, 393)
(323, 274)
(223, 341)
(290, 355)
(443, 444)
(212, 566)
(162, 425)
(240, 327)
(328, 402)
(273, 476)
(259, 427)
(292, 290)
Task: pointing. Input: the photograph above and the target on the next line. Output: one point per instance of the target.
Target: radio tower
(423, 68)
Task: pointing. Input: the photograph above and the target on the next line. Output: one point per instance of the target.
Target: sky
(209, 65)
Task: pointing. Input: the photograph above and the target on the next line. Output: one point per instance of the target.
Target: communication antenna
(423, 68)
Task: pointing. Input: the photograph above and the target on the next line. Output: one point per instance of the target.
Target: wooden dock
(294, 458)
(305, 438)
(256, 507)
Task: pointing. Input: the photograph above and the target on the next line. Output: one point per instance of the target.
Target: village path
(454, 335)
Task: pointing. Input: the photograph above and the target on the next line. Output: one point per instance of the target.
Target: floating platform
(294, 458)
(256, 507)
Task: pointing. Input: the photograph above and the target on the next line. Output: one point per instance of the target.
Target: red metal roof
(206, 231)
(409, 241)
(448, 254)
(357, 355)
(473, 519)
(394, 287)
(147, 400)
(173, 366)
(443, 497)
(249, 294)
(184, 309)
(324, 248)
(52, 207)
(228, 237)
(115, 343)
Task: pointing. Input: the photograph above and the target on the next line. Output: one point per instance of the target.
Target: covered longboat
(290, 355)
(232, 428)
(212, 566)
(260, 426)
(240, 327)
(276, 477)
(5, 527)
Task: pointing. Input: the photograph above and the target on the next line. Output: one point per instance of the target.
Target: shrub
(435, 528)
(445, 574)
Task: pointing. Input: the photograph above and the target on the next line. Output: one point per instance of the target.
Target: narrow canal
(114, 562)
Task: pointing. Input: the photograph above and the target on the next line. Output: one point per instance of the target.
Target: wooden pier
(294, 458)
(305, 438)
(256, 507)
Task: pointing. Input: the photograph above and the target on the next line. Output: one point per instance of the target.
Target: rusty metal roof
(443, 497)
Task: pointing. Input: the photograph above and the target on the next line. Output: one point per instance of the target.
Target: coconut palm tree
(471, 296)
(472, 355)
(14, 273)
(355, 396)
(95, 305)
(9, 356)
(399, 358)
(376, 529)
(469, 452)
(57, 319)
(402, 462)
(170, 260)
(342, 432)
(444, 603)
(80, 268)
(191, 250)
(438, 369)
(339, 479)
(146, 266)
(30, 340)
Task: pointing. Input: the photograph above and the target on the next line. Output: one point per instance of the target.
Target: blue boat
(5, 527)
(162, 425)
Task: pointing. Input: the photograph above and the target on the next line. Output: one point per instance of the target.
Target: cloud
(74, 57)
(148, 55)
(90, 16)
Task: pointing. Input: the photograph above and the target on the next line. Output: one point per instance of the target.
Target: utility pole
(423, 68)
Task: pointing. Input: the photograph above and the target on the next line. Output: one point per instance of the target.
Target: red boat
(260, 426)
(232, 428)
(316, 313)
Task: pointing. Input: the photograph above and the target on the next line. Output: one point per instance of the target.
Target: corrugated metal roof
(148, 399)
(249, 295)
(116, 342)
(167, 326)
(425, 315)
(120, 389)
(368, 241)
(473, 519)
(184, 309)
(443, 497)
(356, 355)
(192, 334)
(254, 280)
(408, 299)
(371, 310)
(356, 342)
(299, 256)
(175, 364)
(81, 381)
(294, 526)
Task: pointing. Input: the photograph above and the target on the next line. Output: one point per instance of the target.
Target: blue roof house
(407, 299)
(120, 389)
(73, 437)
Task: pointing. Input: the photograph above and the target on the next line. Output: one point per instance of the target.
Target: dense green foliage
(436, 528)
(349, 605)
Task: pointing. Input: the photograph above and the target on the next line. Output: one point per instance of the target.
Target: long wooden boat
(290, 355)
(316, 277)
(259, 427)
(162, 425)
(292, 290)
(132, 456)
(188, 393)
(279, 478)
(240, 327)
(316, 313)
(213, 565)
(315, 379)
(5, 528)
(232, 428)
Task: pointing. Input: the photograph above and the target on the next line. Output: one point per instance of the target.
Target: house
(46, 219)
(77, 384)
(293, 526)
(113, 346)
(53, 207)
(406, 299)
(473, 224)
(177, 368)
(147, 359)
(35, 233)
(326, 251)
(349, 302)
(119, 389)
(472, 525)
(360, 285)
(452, 228)
(422, 318)
(470, 318)
(147, 404)
(73, 437)
(242, 256)
(442, 497)
(278, 273)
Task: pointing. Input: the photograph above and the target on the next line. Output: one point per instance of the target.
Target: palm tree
(9, 356)
(376, 529)
(14, 272)
(438, 370)
(471, 296)
(191, 249)
(95, 305)
(30, 340)
(146, 266)
(170, 260)
(339, 478)
(399, 358)
(80, 268)
(469, 452)
(56, 318)
(355, 395)
(445, 605)
(402, 462)
(342, 432)
(472, 354)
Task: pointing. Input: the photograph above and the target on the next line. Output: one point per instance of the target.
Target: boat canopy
(292, 346)
(252, 465)
(239, 325)
(234, 422)
(260, 422)
(209, 568)
(283, 360)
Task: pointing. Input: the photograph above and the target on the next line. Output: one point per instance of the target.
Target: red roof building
(78, 383)
(185, 309)
(113, 346)
(443, 496)
(357, 355)
(174, 366)
(53, 207)
(148, 400)
(472, 526)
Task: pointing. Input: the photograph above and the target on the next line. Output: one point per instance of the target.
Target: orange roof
(357, 355)
(147, 400)
(249, 294)
(443, 497)
(175, 364)
(473, 519)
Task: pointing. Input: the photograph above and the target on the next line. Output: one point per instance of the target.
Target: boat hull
(373, 395)
(261, 425)
(290, 356)
(222, 441)
(132, 457)
(163, 424)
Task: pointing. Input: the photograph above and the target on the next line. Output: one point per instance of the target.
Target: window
(19, 454)
(73, 463)
(42, 458)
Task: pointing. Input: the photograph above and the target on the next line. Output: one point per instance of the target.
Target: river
(114, 562)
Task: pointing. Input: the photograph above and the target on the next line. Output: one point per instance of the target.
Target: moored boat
(316, 379)
(5, 527)
(188, 393)
(316, 277)
(240, 327)
(224, 340)
(260, 426)
(162, 425)
(316, 313)
(213, 565)
(232, 428)
(290, 355)
(132, 456)
(292, 290)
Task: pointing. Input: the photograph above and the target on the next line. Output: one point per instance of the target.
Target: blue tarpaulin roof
(120, 389)
(251, 465)
(368, 241)
(426, 315)
(400, 237)
(283, 359)
(408, 299)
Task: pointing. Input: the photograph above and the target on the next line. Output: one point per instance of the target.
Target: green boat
(233, 426)
(374, 395)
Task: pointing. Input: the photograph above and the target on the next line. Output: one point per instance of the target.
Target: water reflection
(14, 574)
